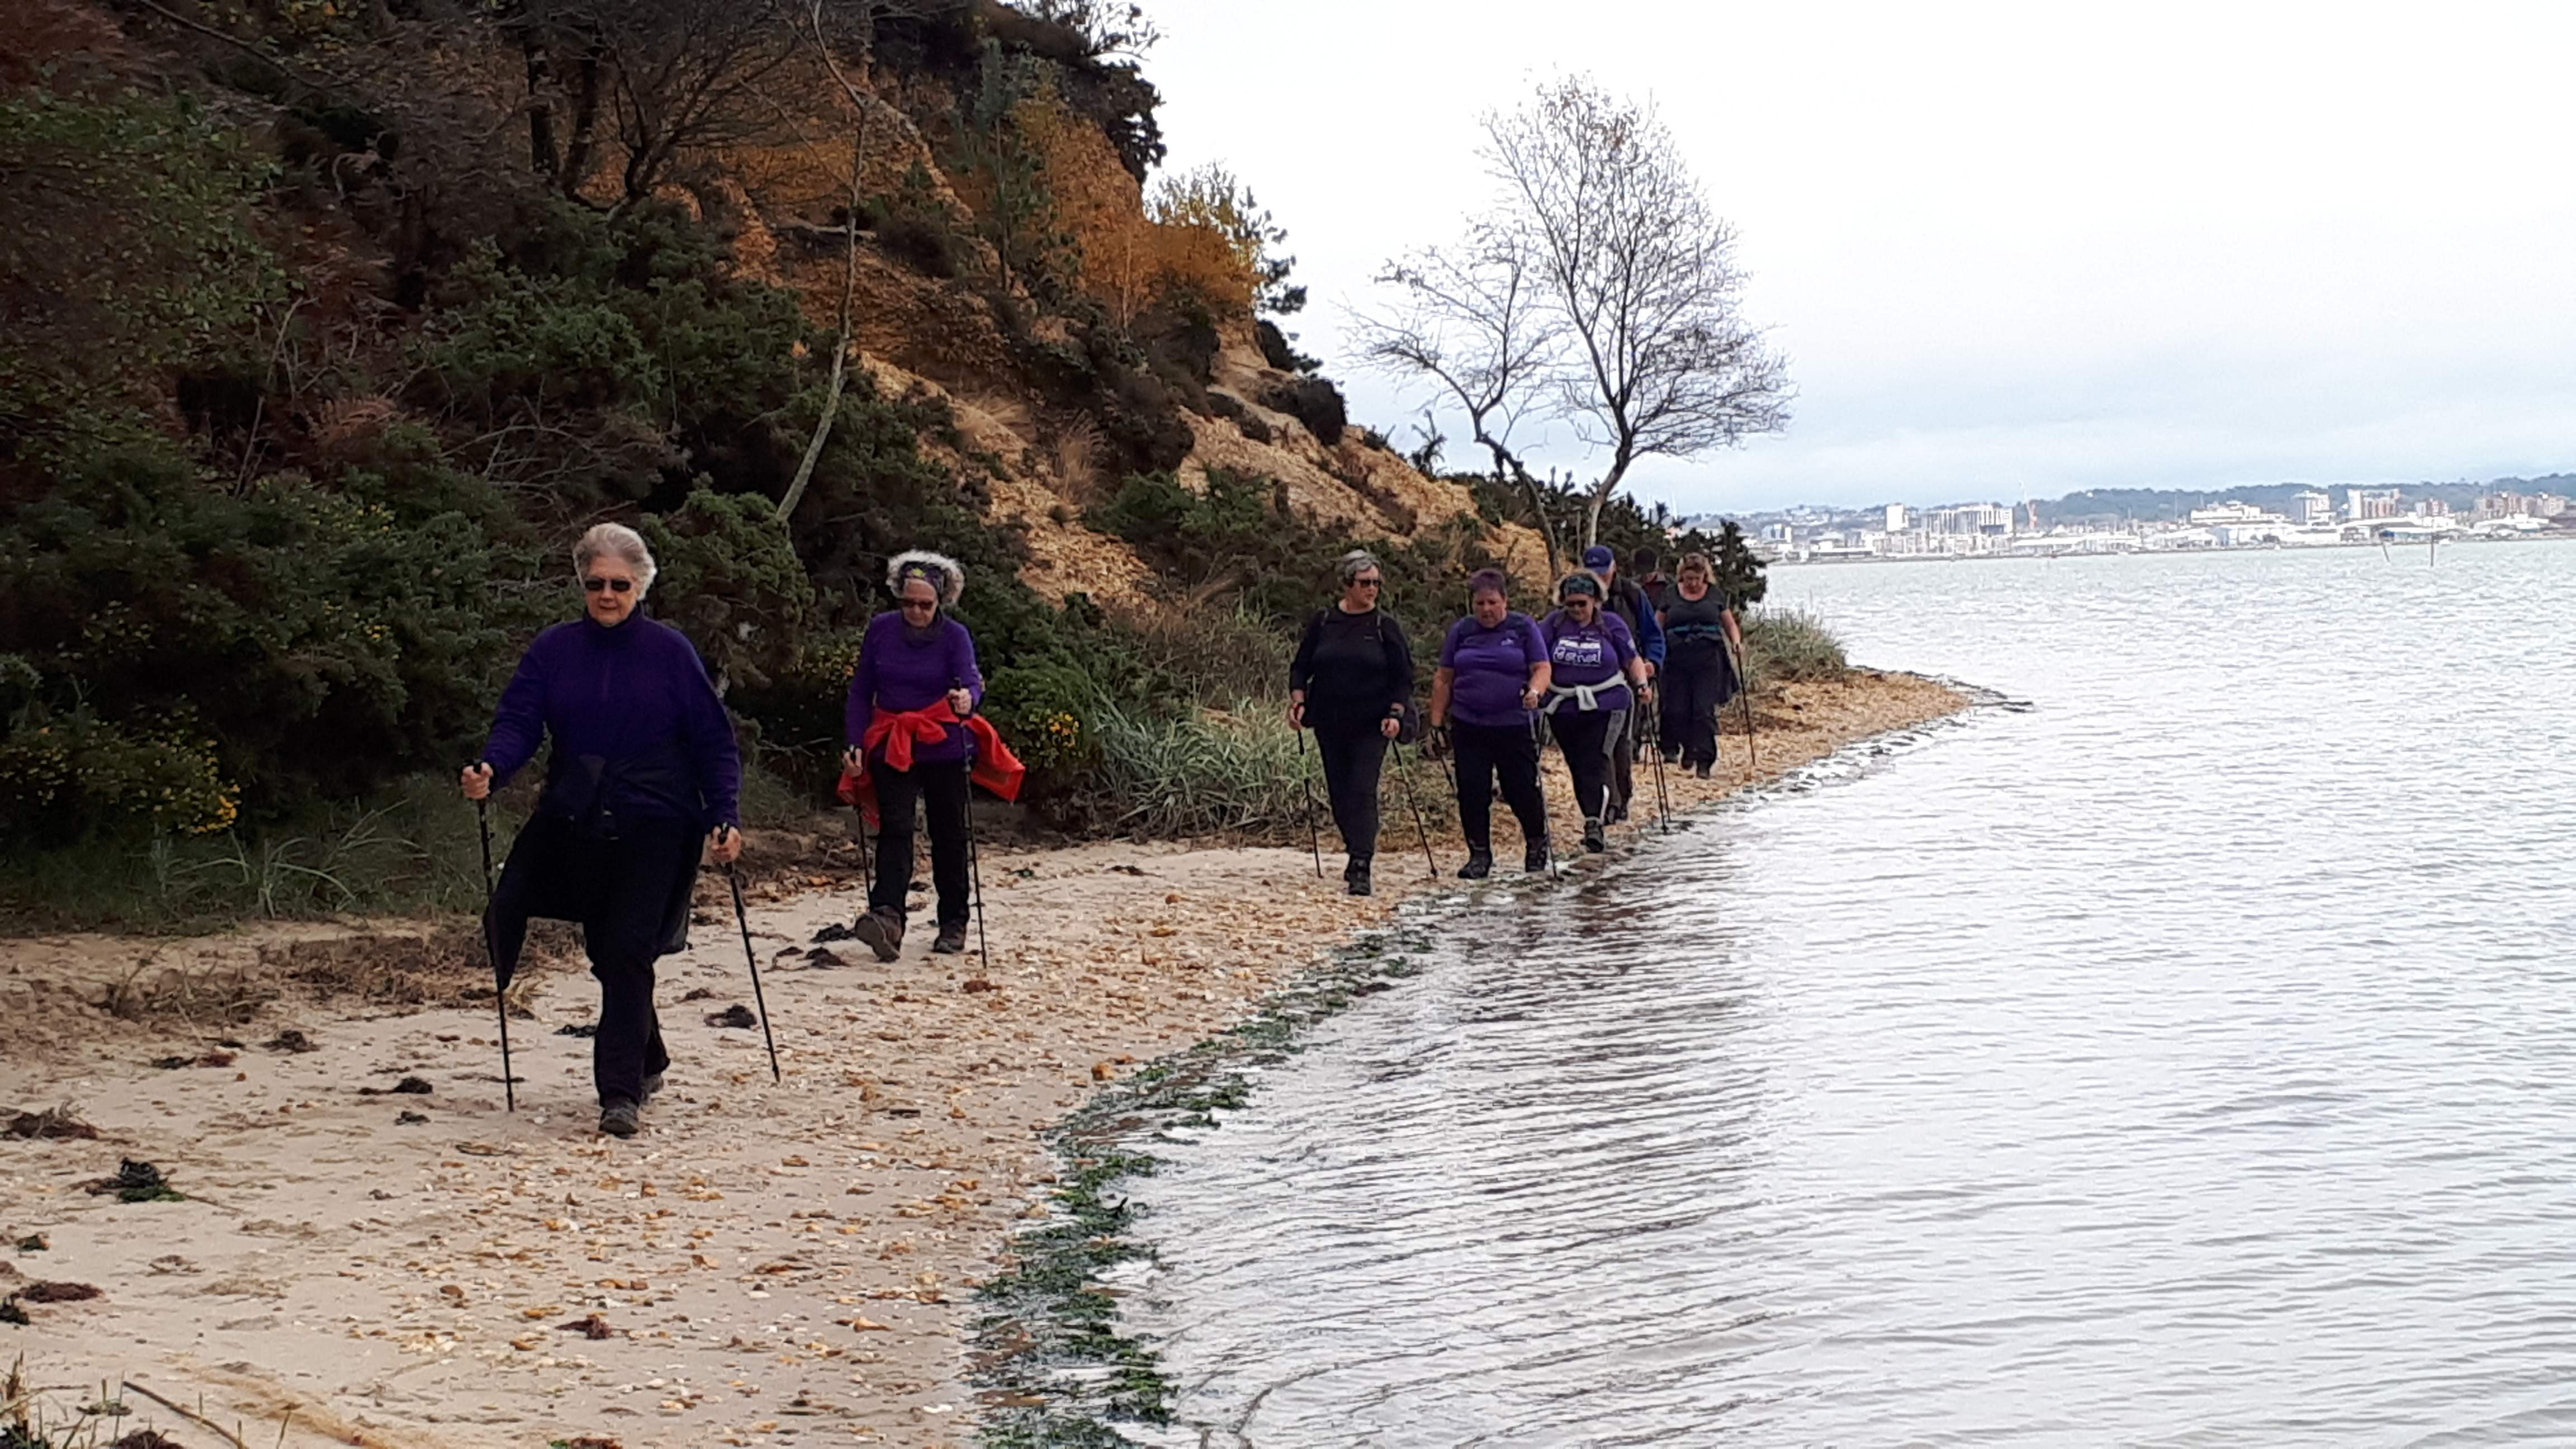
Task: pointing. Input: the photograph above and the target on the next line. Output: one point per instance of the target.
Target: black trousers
(1488, 751)
(1696, 683)
(622, 929)
(1354, 757)
(940, 790)
(1589, 739)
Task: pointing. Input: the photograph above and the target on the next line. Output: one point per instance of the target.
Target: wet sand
(768, 1263)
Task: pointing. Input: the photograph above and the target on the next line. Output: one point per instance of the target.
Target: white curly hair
(616, 540)
(945, 574)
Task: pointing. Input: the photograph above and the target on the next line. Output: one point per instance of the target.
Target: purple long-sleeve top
(903, 669)
(636, 694)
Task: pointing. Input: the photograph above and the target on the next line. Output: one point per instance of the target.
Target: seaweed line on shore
(1050, 1365)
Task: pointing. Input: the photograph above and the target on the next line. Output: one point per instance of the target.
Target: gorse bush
(1238, 542)
(129, 259)
(324, 642)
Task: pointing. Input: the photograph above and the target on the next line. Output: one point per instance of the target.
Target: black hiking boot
(881, 931)
(621, 1119)
(1618, 812)
(1480, 864)
(1534, 855)
(951, 941)
(652, 1086)
(1593, 839)
(1701, 769)
(1357, 874)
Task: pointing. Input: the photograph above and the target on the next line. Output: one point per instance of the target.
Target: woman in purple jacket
(1594, 664)
(644, 763)
(915, 684)
(1493, 672)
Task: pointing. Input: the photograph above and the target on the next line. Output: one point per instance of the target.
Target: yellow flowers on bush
(75, 776)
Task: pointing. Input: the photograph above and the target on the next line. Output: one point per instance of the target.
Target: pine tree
(1739, 573)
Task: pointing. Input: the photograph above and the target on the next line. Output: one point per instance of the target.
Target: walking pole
(1420, 825)
(1744, 694)
(742, 918)
(1663, 795)
(1538, 743)
(500, 993)
(1306, 783)
(975, 857)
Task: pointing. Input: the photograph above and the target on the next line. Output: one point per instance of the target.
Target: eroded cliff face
(1054, 400)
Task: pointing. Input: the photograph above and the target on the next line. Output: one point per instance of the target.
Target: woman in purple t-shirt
(1493, 672)
(1594, 664)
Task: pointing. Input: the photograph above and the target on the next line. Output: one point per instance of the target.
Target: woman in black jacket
(1351, 682)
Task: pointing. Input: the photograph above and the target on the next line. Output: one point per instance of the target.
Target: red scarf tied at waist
(995, 767)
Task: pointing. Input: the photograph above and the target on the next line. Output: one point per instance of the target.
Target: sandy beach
(357, 1260)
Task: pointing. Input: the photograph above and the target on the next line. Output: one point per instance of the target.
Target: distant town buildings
(2311, 519)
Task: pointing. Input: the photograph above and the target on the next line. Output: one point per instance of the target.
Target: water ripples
(2180, 1057)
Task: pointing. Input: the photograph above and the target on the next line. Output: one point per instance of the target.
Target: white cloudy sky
(2007, 248)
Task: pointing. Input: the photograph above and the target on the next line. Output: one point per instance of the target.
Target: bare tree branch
(1475, 323)
(1643, 277)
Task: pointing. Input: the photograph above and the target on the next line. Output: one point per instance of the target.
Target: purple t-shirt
(1593, 655)
(1493, 668)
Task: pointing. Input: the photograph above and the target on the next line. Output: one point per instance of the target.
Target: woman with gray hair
(644, 766)
(909, 722)
(1351, 683)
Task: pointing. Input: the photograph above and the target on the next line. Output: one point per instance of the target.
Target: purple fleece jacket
(622, 694)
(900, 672)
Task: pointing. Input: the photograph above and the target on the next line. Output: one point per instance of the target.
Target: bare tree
(1605, 214)
(659, 77)
(1474, 322)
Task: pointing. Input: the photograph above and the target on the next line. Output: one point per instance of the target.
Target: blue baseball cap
(1599, 556)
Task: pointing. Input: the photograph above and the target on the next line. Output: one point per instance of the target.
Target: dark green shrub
(64, 778)
(324, 641)
(128, 257)
(1238, 541)
(731, 581)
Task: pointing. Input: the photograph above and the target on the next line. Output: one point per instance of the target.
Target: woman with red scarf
(915, 688)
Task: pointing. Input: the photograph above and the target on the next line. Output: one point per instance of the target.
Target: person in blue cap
(1622, 597)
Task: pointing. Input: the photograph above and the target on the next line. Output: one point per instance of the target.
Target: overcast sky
(2007, 248)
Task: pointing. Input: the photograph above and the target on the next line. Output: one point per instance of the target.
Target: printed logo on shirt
(1578, 651)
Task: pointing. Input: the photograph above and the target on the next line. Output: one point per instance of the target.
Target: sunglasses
(925, 605)
(594, 585)
(1368, 583)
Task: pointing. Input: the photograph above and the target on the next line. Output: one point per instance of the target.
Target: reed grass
(1232, 771)
(1783, 645)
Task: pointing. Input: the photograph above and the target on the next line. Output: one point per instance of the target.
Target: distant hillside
(2152, 505)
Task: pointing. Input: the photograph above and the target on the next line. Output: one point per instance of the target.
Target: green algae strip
(1046, 1354)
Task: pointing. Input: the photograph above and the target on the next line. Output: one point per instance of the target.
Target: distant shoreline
(2037, 556)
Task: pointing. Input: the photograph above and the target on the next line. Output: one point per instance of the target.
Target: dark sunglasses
(623, 586)
(908, 605)
(1369, 583)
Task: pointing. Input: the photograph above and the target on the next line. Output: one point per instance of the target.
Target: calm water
(2187, 1058)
